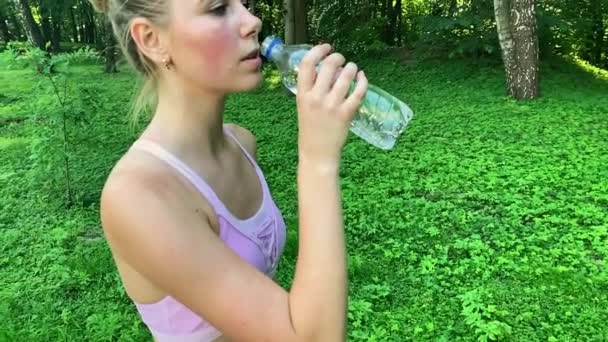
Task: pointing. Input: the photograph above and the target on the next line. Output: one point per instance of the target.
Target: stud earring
(167, 63)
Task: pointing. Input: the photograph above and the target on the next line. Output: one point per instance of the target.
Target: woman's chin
(250, 82)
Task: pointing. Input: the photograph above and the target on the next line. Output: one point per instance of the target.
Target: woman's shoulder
(139, 174)
(244, 136)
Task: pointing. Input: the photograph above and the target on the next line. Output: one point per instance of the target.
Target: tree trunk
(4, 32)
(252, 6)
(290, 21)
(391, 28)
(384, 8)
(56, 37)
(57, 14)
(111, 49)
(397, 27)
(301, 24)
(87, 22)
(526, 41)
(92, 24)
(599, 30)
(30, 25)
(453, 8)
(74, 26)
(45, 21)
(516, 26)
(17, 27)
(82, 23)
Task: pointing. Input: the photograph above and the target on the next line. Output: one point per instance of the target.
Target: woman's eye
(219, 10)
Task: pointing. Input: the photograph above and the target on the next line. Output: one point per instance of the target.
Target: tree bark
(290, 24)
(74, 25)
(87, 22)
(453, 8)
(111, 49)
(31, 25)
(301, 24)
(82, 23)
(516, 26)
(57, 13)
(17, 27)
(56, 37)
(393, 21)
(505, 38)
(599, 30)
(93, 25)
(45, 14)
(397, 27)
(526, 41)
(4, 32)
(252, 6)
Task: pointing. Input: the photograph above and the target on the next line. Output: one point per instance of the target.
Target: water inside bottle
(381, 118)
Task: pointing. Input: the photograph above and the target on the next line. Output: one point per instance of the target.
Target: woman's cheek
(216, 50)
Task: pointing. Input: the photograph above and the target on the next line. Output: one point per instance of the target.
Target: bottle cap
(268, 44)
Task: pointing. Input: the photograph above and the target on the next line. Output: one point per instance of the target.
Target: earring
(167, 63)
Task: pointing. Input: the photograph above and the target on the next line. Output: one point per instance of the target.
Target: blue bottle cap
(270, 43)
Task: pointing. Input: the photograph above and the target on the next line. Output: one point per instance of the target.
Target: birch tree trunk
(518, 37)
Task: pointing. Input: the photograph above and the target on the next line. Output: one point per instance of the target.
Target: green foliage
(470, 32)
(24, 55)
(480, 317)
(486, 222)
(51, 147)
(272, 19)
(348, 26)
(574, 27)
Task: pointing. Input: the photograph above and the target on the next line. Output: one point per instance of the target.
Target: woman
(186, 211)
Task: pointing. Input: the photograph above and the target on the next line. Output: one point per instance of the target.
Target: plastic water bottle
(381, 117)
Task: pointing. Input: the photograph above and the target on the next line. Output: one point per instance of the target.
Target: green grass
(489, 218)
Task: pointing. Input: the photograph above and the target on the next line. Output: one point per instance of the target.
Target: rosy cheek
(216, 50)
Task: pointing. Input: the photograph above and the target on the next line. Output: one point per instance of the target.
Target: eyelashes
(219, 10)
(223, 8)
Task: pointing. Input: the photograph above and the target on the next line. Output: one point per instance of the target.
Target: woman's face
(214, 44)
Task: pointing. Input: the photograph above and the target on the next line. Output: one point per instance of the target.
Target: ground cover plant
(488, 221)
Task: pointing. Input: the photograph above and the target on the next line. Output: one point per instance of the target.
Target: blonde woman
(187, 212)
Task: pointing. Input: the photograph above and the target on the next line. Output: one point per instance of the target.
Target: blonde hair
(121, 13)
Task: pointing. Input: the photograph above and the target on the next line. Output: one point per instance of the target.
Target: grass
(489, 219)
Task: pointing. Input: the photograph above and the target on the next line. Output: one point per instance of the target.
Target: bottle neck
(277, 55)
(276, 51)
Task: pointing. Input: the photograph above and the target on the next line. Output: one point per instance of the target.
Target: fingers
(338, 73)
(332, 83)
(343, 83)
(353, 102)
(307, 68)
(328, 71)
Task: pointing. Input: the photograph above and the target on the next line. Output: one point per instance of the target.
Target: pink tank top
(260, 240)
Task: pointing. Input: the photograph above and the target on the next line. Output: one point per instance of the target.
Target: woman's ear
(148, 39)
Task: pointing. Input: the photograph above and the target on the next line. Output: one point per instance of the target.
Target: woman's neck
(189, 123)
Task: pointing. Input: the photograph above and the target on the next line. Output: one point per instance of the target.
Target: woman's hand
(324, 110)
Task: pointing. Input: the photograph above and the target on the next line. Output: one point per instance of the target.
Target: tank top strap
(256, 166)
(161, 153)
(245, 152)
